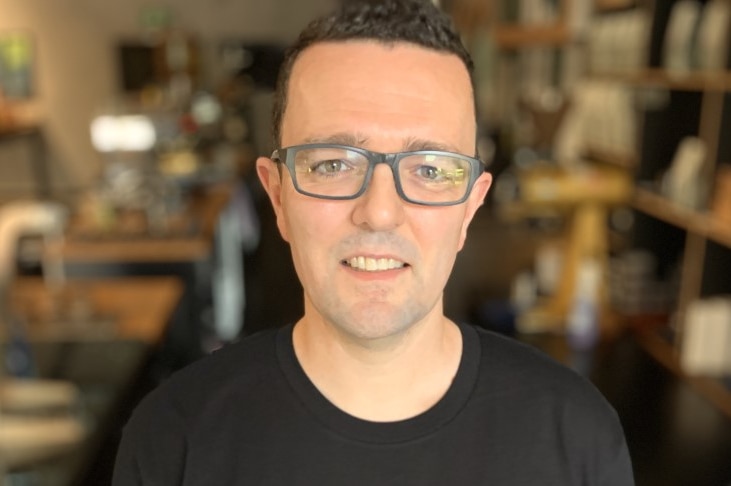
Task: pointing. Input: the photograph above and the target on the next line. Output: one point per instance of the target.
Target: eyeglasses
(426, 177)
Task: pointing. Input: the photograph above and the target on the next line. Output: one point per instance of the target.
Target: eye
(429, 172)
(331, 166)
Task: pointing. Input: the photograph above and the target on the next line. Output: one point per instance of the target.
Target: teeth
(374, 264)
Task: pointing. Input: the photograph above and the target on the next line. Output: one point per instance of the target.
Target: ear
(270, 177)
(473, 203)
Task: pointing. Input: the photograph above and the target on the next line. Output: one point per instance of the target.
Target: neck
(385, 379)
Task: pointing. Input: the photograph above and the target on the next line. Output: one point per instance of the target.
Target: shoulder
(544, 406)
(512, 362)
(156, 441)
(241, 366)
(511, 368)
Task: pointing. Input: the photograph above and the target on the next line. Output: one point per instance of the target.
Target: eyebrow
(414, 144)
(342, 138)
(357, 140)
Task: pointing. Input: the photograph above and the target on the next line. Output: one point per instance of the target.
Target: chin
(378, 321)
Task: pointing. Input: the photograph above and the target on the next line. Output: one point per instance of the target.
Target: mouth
(369, 264)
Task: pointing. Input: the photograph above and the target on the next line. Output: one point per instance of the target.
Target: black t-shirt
(248, 415)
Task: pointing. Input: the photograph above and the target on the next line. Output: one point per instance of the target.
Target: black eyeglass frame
(477, 167)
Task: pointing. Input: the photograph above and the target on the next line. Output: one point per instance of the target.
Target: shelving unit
(514, 37)
(699, 104)
(700, 225)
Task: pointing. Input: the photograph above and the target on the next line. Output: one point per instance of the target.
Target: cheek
(439, 233)
(303, 242)
(310, 224)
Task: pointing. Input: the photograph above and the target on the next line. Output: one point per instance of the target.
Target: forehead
(382, 94)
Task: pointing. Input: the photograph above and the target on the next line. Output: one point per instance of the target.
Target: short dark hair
(417, 22)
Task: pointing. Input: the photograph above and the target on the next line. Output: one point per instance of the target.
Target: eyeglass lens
(340, 172)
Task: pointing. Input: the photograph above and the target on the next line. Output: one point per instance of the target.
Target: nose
(380, 208)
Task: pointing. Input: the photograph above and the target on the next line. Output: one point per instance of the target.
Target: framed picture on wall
(16, 64)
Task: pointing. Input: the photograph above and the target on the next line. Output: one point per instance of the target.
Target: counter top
(131, 308)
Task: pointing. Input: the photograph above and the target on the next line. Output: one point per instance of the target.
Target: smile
(367, 264)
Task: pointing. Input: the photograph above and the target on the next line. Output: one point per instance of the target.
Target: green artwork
(16, 60)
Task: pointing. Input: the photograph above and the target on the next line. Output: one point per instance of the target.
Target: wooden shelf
(719, 232)
(663, 209)
(603, 6)
(18, 131)
(517, 36)
(719, 81)
(699, 223)
(205, 209)
(711, 388)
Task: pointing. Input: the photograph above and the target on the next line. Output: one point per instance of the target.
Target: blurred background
(135, 237)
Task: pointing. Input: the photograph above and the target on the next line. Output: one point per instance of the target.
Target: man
(374, 188)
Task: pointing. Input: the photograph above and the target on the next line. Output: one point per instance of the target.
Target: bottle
(583, 320)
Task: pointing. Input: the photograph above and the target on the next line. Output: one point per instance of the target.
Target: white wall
(76, 70)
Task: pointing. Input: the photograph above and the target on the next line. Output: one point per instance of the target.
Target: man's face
(386, 99)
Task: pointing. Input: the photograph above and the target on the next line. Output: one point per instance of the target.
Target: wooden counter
(136, 308)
